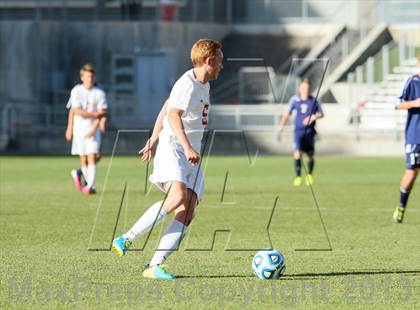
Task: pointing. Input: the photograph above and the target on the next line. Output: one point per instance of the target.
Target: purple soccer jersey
(411, 91)
(304, 108)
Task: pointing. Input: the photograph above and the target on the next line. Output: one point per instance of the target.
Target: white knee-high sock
(169, 242)
(152, 217)
(91, 181)
(85, 172)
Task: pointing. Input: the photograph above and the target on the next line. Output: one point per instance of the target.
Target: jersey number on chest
(303, 108)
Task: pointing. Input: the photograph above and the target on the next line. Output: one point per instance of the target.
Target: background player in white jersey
(179, 130)
(87, 106)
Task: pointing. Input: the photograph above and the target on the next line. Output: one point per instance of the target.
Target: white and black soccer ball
(268, 264)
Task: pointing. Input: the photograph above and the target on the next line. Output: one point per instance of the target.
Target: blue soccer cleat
(157, 272)
(120, 245)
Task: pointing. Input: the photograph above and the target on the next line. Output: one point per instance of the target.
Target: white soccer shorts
(85, 146)
(170, 164)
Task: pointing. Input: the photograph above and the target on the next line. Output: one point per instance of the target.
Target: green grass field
(47, 229)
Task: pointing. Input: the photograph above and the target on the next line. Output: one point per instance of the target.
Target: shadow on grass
(308, 276)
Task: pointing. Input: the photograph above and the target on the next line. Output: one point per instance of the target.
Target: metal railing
(377, 67)
(246, 117)
(374, 89)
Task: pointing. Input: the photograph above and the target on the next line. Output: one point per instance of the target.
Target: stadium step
(379, 113)
(383, 99)
(395, 77)
(411, 62)
(407, 70)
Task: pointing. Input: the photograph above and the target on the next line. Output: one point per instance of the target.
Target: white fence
(247, 117)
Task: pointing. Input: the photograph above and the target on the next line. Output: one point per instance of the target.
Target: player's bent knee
(190, 216)
(184, 215)
(412, 173)
(83, 160)
(190, 200)
(176, 198)
(188, 221)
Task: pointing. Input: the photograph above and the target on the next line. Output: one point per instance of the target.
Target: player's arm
(283, 121)
(92, 129)
(86, 114)
(286, 115)
(313, 118)
(319, 113)
(406, 105)
(175, 121)
(69, 130)
(159, 123)
(147, 151)
(95, 124)
(102, 106)
(102, 124)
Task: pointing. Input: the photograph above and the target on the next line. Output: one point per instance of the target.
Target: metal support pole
(370, 71)
(402, 50)
(411, 51)
(385, 61)
(353, 110)
(194, 10)
(359, 75)
(229, 12)
(211, 11)
(350, 82)
(344, 46)
(305, 10)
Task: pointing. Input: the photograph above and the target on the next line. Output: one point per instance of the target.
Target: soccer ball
(268, 264)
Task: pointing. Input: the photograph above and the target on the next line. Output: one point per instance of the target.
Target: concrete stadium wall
(34, 56)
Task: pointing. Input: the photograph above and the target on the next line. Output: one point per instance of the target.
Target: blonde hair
(307, 81)
(203, 49)
(87, 68)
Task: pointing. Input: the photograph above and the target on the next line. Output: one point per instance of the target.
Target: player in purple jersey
(308, 111)
(410, 101)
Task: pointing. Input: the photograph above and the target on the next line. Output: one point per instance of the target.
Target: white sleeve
(68, 105)
(102, 103)
(74, 101)
(291, 104)
(180, 96)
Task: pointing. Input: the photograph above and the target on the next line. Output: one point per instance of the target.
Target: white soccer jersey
(193, 98)
(90, 100)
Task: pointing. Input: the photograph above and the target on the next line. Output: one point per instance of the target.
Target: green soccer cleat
(297, 181)
(157, 272)
(120, 245)
(398, 215)
(309, 179)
